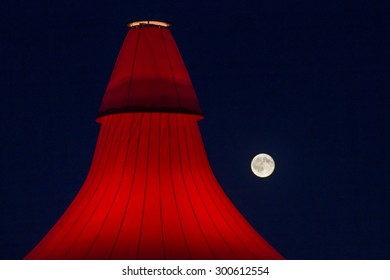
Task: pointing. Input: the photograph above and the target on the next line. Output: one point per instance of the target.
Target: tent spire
(149, 74)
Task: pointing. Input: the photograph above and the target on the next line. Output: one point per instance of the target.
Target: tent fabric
(149, 76)
(150, 192)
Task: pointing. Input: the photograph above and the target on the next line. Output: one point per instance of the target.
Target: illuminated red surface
(149, 76)
(150, 192)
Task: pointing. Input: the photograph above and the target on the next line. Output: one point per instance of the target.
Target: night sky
(304, 81)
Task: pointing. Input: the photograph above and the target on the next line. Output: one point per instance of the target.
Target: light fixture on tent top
(148, 22)
(150, 192)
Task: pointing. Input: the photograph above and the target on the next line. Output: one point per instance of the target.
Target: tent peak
(141, 23)
(149, 74)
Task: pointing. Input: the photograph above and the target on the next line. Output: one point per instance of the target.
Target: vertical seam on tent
(152, 55)
(186, 190)
(173, 185)
(145, 187)
(159, 183)
(130, 192)
(132, 67)
(170, 67)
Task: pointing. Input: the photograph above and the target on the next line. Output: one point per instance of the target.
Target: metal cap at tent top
(141, 23)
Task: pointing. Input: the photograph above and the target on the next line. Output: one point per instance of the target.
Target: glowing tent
(150, 192)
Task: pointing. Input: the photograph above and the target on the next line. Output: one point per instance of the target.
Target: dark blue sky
(305, 81)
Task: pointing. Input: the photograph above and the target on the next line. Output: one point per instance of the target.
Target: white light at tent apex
(262, 165)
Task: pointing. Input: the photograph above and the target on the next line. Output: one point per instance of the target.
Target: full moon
(262, 165)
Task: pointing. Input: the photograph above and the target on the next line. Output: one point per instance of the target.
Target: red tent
(150, 192)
